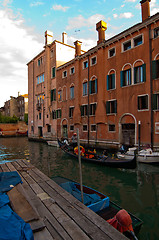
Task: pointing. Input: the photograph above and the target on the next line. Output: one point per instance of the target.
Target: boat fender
(82, 150)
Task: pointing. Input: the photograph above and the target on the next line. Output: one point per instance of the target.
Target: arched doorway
(64, 128)
(127, 130)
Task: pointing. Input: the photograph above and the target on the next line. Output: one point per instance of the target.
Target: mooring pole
(80, 167)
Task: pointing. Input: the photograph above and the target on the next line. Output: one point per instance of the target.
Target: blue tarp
(12, 227)
(8, 180)
(88, 198)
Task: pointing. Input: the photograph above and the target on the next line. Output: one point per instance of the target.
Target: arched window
(111, 80)
(85, 88)
(93, 86)
(126, 76)
(72, 92)
(139, 72)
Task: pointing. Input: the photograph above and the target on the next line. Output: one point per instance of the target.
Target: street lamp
(139, 134)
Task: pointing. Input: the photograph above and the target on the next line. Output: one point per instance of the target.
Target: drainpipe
(151, 86)
(88, 100)
(33, 100)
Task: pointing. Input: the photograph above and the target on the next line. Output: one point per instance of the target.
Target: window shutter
(115, 106)
(113, 80)
(56, 113)
(90, 87)
(121, 78)
(55, 94)
(96, 85)
(51, 95)
(154, 70)
(154, 101)
(107, 82)
(144, 72)
(87, 110)
(107, 107)
(82, 111)
(60, 113)
(134, 74)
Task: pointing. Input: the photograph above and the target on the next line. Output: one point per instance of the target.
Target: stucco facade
(118, 79)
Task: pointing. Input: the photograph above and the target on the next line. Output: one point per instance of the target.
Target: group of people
(73, 141)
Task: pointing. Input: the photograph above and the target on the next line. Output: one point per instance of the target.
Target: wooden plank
(21, 206)
(4, 168)
(43, 235)
(37, 225)
(52, 230)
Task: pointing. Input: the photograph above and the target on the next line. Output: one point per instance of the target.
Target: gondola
(128, 163)
(97, 202)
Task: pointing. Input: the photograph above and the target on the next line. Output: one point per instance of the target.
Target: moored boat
(99, 203)
(90, 156)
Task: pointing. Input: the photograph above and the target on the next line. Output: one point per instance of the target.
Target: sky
(23, 24)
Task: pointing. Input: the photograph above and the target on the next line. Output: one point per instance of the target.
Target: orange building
(110, 93)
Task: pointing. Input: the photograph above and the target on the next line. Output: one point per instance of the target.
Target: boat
(101, 204)
(142, 156)
(90, 156)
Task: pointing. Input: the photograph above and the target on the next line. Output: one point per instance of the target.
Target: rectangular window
(84, 110)
(156, 101)
(71, 92)
(93, 86)
(93, 128)
(111, 107)
(111, 127)
(40, 78)
(58, 113)
(53, 94)
(54, 114)
(53, 72)
(71, 112)
(85, 128)
(143, 102)
(52, 53)
(111, 81)
(85, 64)
(48, 128)
(126, 46)
(40, 61)
(155, 69)
(138, 41)
(140, 74)
(93, 61)
(72, 70)
(125, 78)
(39, 115)
(59, 95)
(64, 74)
(92, 109)
(156, 32)
(111, 52)
(71, 128)
(84, 88)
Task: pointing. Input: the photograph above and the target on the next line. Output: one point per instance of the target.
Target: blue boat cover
(73, 190)
(8, 180)
(12, 227)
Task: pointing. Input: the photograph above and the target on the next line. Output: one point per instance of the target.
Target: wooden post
(80, 168)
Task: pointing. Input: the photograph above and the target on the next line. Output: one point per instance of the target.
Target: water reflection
(135, 190)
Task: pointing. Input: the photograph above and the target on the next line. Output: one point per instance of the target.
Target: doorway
(40, 131)
(128, 134)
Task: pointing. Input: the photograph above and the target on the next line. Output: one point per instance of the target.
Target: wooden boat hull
(129, 163)
(107, 212)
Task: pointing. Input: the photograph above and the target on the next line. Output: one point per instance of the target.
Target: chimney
(101, 27)
(48, 37)
(64, 37)
(145, 9)
(77, 48)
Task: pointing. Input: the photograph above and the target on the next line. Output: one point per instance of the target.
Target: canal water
(135, 190)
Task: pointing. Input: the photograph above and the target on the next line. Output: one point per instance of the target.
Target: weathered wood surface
(54, 213)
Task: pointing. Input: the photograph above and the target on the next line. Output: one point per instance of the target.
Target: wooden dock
(51, 211)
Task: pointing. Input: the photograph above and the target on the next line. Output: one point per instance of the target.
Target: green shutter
(96, 85)
(121, 78)
(144, 72)
(154, 101)
(53, 72)
(134, 74)
(90, 87)
(55, 94)
(107, 82)
(107, 107)
(60, 113)
(154, 70)
(51, 95)
(82, 111)
(115, 106)
(113, 80)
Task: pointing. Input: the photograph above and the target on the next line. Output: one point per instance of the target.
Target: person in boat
(123, 223)
(123, 148)
(74, 140)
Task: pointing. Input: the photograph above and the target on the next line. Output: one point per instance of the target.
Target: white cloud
(154, 7)
(126, 15)
(130, 0)
(80, 21)
(6, 2)
(59, 8)
(115, 15)
(35, 4)
(19, 46)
